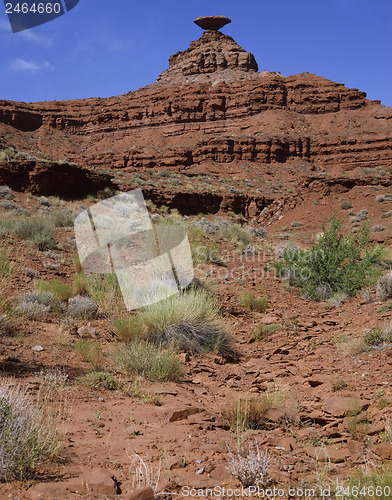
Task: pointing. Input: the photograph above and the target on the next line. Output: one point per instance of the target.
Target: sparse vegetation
(99, 380)
(62, 218)
(149, 361)
(89, 351)
(127, 328)
(264, 331)
(236, 234)
(60, 290)
(253, 303)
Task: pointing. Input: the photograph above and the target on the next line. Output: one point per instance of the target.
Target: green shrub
(26, 439)
(336, 263)
(373, 337)
(252, 303)
(89, 351)
(99, 380)
(188, 321)
(345, 205)
(6, 270)
(60, 290)
(148, 361)
(36, 230)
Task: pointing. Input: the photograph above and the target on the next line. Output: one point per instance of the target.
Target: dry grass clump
(384, 287)
(89, 351)
(26, 439)
(80, 283)
(236, 233)
(148, 361)
(188, 321)
(127, 328)
(262, 332)
(5, 325)
(62, 218)
(250, 465)
(99, 380)
(250, 412)
(81, 308)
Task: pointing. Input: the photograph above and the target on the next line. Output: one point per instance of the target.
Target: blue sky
(108, 47)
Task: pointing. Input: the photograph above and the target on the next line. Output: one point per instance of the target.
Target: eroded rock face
(211, 108)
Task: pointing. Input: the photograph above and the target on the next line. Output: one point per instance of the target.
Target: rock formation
(209, 110)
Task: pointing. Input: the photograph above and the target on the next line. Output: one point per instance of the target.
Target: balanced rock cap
(212, 22)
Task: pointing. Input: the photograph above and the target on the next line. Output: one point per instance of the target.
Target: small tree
(336, 263)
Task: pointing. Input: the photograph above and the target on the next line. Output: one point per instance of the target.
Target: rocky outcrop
(212, 52)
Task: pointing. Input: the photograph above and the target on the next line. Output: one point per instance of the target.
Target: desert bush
(54, 377)
(127, 328)
(148, 361)
(81, 308)
(62, 218)
(8, 205)
(384, 197)
(373, 337)
(36, 305)
(387, 215)
(26, 439)
(336, 262)
(6, 193)
(253, 303)
(60, 290)
(89, 351)
(249, 465)
(236, 233)
(99, 380)
(345, 205)
(189, 321)
(378, 228)
(36, 230)
(208, 253)
(384, 287)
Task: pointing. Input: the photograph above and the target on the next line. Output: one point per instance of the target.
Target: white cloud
(22, 65)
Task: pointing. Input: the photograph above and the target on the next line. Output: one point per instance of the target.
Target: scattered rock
(100, 482)
(141, 494)
(383, 450)
(86, 331)
(340, 406)
(183, 414)
(38, 348)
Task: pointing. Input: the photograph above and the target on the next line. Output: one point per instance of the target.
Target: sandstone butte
(211, 112)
